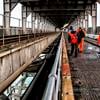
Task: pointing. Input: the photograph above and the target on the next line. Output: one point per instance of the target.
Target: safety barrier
(54, 81)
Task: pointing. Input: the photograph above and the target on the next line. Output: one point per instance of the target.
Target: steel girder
(47, 7)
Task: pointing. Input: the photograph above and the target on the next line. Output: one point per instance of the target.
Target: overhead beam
(41, 10)
(29, 0)
(59, 14)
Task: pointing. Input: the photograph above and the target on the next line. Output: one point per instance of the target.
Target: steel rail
(49, 91)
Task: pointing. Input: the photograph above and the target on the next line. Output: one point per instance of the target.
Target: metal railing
(15, 26)
(15, 33)
(53, 84)
(15, 30)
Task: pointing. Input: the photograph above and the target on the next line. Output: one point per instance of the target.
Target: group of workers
(76, 38)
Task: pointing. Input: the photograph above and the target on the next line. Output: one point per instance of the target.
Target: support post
(78, 22)
(6, 18)
(44, 24)
(38, 23)
(94, 18)
(24, 17)
(36, 28)
(33, 22)
(86, 20)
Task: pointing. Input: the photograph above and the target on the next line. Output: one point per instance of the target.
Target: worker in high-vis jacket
(98, 39)
(74, 43)
(81, 32)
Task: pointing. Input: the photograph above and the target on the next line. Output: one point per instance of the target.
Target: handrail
(53, 79)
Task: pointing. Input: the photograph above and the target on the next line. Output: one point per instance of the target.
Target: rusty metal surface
(67, 89)
(85, 70)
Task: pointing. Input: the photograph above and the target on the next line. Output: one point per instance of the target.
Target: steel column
(86, 20)
(82, 22)
(6, 18)
(43, 21)
(78, 22)
(24, 16)
(44, 24)
(33, 22)
(94, 18)
(38, 23)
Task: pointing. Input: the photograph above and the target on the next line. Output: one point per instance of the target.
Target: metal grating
(86, 75)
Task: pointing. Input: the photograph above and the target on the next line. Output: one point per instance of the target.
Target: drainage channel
(31, 83)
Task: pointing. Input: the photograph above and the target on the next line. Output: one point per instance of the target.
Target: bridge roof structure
(59, 11)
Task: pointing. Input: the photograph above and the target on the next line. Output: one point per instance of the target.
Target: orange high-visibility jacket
(74, 39)
(98, 40)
